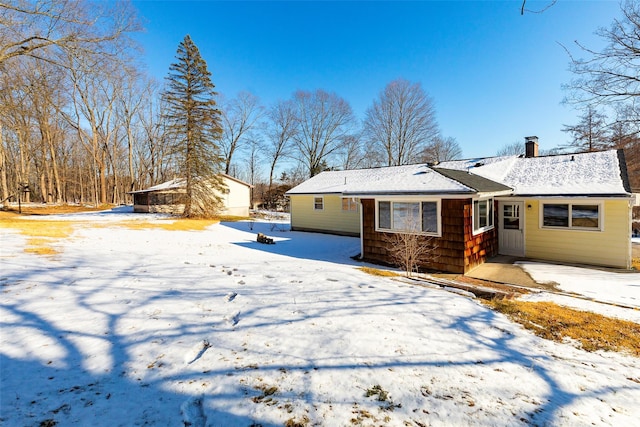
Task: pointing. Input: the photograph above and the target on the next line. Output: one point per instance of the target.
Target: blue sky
(495, 76)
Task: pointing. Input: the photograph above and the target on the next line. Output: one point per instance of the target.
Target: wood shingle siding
(457, 251)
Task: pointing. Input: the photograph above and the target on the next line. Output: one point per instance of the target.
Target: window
(384, 215)
(565, 215)
(414, 217)
(555, 215)
(586, 216)
(430, 217)
(511, 217)
(349, 204)
(318, 203)
(482, 215)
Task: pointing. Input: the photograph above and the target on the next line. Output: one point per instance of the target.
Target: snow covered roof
(587, 174)
(180, 183)
(600, 173)
(410, 179)
(174, 184)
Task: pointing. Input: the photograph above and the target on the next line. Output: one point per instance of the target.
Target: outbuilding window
(409, 216)
(571, 215)
(318, 203)
(482, 215)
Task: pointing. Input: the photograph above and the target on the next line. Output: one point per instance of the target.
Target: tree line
(80, 123)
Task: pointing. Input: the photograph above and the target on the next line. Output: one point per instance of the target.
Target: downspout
(361, 232)
(630, 233)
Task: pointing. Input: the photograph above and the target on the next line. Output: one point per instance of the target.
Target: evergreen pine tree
(193, 122)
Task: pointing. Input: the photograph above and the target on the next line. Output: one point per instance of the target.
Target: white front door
(511, 228)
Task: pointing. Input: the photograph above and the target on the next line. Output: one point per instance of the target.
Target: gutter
(361, 232)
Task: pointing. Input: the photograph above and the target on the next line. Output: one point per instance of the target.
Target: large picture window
(482, 215)
(408, 216)
(571, 215)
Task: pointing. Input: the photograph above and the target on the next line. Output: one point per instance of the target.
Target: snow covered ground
(602, 291)
(154, 327)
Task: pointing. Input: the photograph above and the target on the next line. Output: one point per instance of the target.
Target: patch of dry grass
(40, 246)
(377, 272)
(232, 218)
(177, 224)
(58, 209)
(554, 322)
(635, 263)
(41, 233)
(51, 229)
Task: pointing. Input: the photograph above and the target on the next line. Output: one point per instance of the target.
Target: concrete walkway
(501, 269)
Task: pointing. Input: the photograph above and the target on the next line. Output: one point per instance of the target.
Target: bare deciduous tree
(608, 80)
(410, 249)
(351, 155)
(3, 172)
(400, 123)
(515, 148)
(323, 120)
(239, 116)
(43, 29)
(609, 76)
(523, 8)
(280, 130)
(590, 133)
(624, 133)
(442, 150)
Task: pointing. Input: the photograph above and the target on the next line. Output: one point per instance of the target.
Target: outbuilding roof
(180, 184)
(174, 184)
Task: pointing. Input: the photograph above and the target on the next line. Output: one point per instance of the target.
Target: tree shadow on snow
(57, 374)
(298, 244)
(117, 367)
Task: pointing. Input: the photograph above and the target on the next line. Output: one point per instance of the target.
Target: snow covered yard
(129, 326)
(603, 292)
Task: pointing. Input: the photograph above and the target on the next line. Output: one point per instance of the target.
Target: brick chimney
(531, 146)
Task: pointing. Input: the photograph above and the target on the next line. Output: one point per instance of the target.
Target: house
(568, 208)
(168, 197)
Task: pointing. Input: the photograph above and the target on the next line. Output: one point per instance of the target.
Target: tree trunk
(3, 173)
(56, 185)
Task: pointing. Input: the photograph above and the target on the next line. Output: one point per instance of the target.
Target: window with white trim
(482, 215)
(349, 204)
(318, 203)
(582, 216)
(408, 216)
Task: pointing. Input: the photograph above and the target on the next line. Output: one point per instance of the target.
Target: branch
(522, 9)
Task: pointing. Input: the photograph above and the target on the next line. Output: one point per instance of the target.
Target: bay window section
(430, 217)
(410, 217)
(384, 215)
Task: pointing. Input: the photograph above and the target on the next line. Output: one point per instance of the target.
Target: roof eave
(311, 193)
(577, 195)
(406, 193)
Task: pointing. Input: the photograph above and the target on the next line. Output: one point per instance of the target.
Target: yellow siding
(331, 219)
(609, 247)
